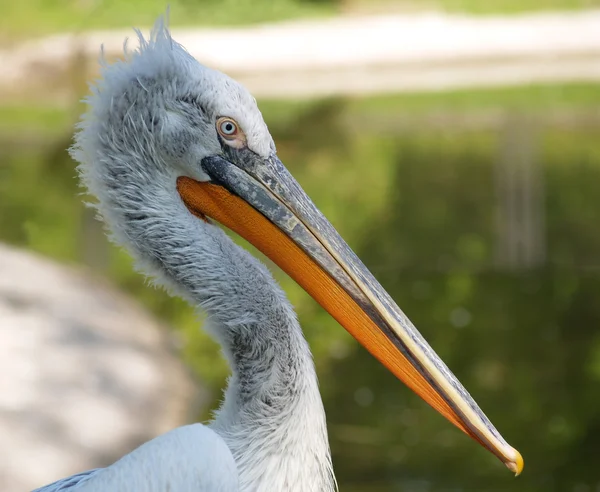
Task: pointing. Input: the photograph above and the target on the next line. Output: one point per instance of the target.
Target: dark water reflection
(518, 323)
(489, 239)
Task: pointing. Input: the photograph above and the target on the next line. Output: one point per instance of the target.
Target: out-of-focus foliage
(514, 6)
(418, 199)
(42, 16)
(33, 17)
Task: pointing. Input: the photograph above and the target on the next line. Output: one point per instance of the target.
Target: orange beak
(259, 200)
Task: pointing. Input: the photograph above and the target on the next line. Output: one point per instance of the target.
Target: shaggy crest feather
(151, 119)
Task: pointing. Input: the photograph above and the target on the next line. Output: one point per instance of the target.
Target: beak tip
(516, 464)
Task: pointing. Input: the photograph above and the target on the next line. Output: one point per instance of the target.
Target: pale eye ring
(227, 128)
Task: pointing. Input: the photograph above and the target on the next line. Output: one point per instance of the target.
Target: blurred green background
(477, 210)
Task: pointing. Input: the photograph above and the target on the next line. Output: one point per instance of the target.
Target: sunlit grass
(515, 6)
(534, 97)
(30, 119)
(24, 19)
(34, 17)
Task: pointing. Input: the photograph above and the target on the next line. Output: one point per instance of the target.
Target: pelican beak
(260, 200)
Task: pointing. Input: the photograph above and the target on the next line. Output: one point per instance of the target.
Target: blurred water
(485, 234)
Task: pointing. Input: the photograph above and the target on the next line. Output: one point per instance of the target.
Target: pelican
(170, 148)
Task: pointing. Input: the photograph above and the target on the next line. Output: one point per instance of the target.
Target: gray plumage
(151, 120)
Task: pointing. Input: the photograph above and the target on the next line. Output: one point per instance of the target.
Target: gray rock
(85, 373)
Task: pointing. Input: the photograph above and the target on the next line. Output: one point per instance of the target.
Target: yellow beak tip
(516, 465)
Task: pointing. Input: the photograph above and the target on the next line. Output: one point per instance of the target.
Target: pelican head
(171, 146)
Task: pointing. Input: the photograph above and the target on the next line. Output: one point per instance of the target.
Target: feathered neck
(272, 417)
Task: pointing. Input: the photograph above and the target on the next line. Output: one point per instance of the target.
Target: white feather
(188, 459)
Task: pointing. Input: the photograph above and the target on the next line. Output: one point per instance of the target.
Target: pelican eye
(228, 128)
(231, 132)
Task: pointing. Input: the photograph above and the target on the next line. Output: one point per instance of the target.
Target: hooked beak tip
(516, 465)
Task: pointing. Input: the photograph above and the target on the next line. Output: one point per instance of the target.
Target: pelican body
(170, 148)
